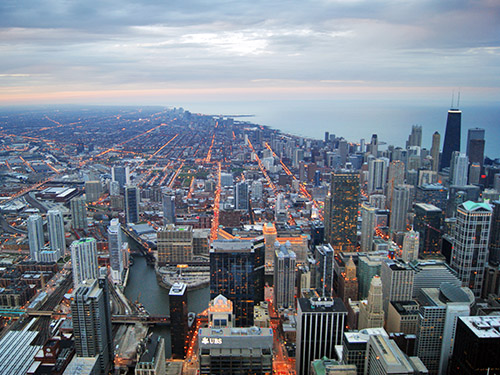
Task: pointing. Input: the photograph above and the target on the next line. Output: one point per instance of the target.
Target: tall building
(451, 136)
(396, 177)
(470, 250)
(348, 282)
(132, 203)
(236, 271)
(436, 140)
(415, 138)
(236, 351)
(435, 194)
(368, 223)
(377, 175)
(368, 266)
(341, 211)
(371, 312)
(476, 347)
(354, 345)
(494, 245)
(284, 278)
(459, 169)
(152, 360)
(79, 213)
(121, 175)
(93, 190)
(92, 324)
(220, 312)
(241, 196)
(168, 201)
(438, 313)
(55, 225)
(475, 145)
(84, 260)
(35, 236)
(397, 282)
(175, 244)
(179, 319)
(410, 246)
(431, 274)
(427, 222)
(320, 326)
(399, 208)
(324, 269)
(115, 244)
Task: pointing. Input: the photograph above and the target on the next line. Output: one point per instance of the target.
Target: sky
(161, 51)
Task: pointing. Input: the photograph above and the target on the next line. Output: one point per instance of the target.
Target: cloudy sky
(152, 51)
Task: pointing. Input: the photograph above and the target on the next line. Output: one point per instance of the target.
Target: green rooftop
(473, 206)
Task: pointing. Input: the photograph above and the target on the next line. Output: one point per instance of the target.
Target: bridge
(143, 246)
(146, 319)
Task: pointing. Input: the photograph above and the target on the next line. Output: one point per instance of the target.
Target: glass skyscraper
(451, 136)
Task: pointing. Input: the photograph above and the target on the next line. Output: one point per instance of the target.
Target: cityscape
(153, 240)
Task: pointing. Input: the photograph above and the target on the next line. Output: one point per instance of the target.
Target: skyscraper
(436, 140)
(175, 244)
(475, 145)
(410, 246)
(348, 282)
(79, 213)
(168, 201)
(399, 208)
(93, 190)
(284, 278)
(92, 323)
(427, 223)
(115, 244)
(368, 217)
(84, 260)
(396, 177)
(35, 236)
(371, 312)
(320, 326)
(121, 175)
(494, 245)
(241, 197)
(377, 174)
(459, 169)
(324, 266)
(57, 238)
(236, 271)
(132, 203)
(397, 282)
(415, 138)
(341, 211)
(451, 136)
(470, 251)
(179, 319)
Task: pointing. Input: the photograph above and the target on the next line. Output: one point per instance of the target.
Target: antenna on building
(458, 103)
(452, 98)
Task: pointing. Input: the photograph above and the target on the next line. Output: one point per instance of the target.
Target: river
(142, 285)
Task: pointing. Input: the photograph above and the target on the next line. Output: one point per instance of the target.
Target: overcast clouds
(121, 50)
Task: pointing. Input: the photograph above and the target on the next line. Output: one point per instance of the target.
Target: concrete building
(326, 316)
(410, 246)
(368, 217)
(79, 213)
(220, 312)
(115, 245)
(436, 140)
(55, 226)
(35, 236)
(397, 282)
(368, 266)
(348, 283)
(354, 345)
(93, 191)
(168, 202)
(371, 313)
(470, 251)
(402, 317)
(152, 360)
(431, 274)
(241, 196)
(399, 208)
(377, 175)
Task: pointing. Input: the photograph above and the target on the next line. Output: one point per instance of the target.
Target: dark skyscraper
(179, 319)
(451, 137)
(132, 203)
(427, 223)
(475, 145)
(341, 211)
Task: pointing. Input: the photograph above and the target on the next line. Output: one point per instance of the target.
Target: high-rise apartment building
(177, 297)
(320, 326)
(437, 319)
(93, 190)
(371, 312)
(175, 244)
(84, 260)
(341, 211)
(35, 236)
(132, 203)
(377, 175)
(451, 136)
(436, 140)
(168, 202)
(115, 245)
(79, 213)
(397, 282)
(237, 271)
(470, 250)
(55, 226)
(427, 222)
(92, 323)
(284, 278)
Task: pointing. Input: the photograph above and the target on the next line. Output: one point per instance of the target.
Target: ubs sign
(211, 340)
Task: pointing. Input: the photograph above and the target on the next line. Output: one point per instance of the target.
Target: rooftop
(483, 326)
